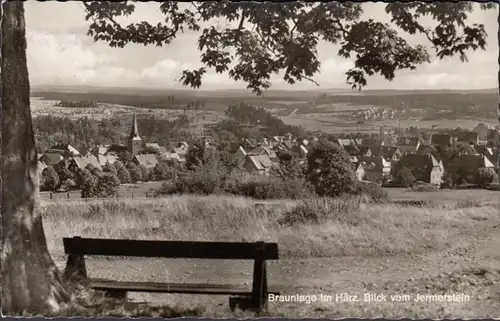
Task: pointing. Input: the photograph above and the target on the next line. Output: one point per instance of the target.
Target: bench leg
(259, 287)
(243, 303)
(75, 268)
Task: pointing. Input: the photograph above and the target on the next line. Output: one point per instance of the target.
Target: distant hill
(306, 94)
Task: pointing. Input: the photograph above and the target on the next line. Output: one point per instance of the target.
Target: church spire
(134, 133)
(134, 140)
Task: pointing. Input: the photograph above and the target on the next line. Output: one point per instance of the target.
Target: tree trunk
(498, 38)
(30, 279)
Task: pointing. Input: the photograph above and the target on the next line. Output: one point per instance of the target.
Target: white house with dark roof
(148, 160)
(260, 164)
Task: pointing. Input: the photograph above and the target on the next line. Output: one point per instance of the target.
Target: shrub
(318, 210)
(265, 187)
(89, 186)
(63, 173)
(485, 177)
(424, 188)
(135, 174)
(109, 168)
(404, 177)
(200, 182)
(118, 164)
(107, 184)
(375, 192)
(103, 185)
(81, 176)
(124, 175)
(144, 173)
(67, 185)
(160, 172)
(50, 179)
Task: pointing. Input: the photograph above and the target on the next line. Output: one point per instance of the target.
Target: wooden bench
(255, 298)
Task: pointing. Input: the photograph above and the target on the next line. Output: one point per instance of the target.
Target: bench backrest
(171, 249)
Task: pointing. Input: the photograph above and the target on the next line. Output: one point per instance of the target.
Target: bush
(50, 179)
(258, 187)
(103, 185)
(160, 172)
(404, 177)
(265, 187)
(144, 173)
(81, 176)
(424, 188)
(486, 177)
(124, 175)
(89, 186)
(67, 185)
(135, 172)
(118, 164)
(375, 193)
(109, 168)
(316, 211)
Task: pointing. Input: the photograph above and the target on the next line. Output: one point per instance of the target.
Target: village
(374, 160)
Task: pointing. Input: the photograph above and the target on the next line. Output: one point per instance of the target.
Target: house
(343, 142)
(288, 137)
(427, 149)
(288, 145)
(352, 150)
(264, 150)
(303, 151)
(389, 153)
(496, 157)
(466, 149)
(365, 151)
(249, 143)
(51, 158)
(66, 150)
(425, 168)
(181, 148)
(373, 170)
(40, 167)
(467, 138)
(408, 144)
(147, 160)
(116, 149)
(172, 155)
(103, 159)
(469, 165)
(482, 131)
(240, 156)
(152, 146)
(441, 140)
(82, 163)
(484, 150)
(99, 150)
(260, 164)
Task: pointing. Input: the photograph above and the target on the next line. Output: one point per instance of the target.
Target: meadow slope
(447, 248)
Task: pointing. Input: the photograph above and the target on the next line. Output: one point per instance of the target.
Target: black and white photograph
(246, 159)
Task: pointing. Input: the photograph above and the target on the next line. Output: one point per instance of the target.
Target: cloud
(62, 58)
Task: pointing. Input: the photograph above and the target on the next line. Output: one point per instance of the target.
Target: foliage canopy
(271, 37)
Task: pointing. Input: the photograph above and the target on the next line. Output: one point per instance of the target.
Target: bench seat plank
(189, 288)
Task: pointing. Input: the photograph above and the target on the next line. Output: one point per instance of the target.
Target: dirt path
(471, 267)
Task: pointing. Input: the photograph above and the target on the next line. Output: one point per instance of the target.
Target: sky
(60, 53)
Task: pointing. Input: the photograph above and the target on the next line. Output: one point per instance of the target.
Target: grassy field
(375, 244)
(332, 123)
(446, 196)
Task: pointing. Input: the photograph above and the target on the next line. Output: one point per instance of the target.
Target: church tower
(134, 141)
